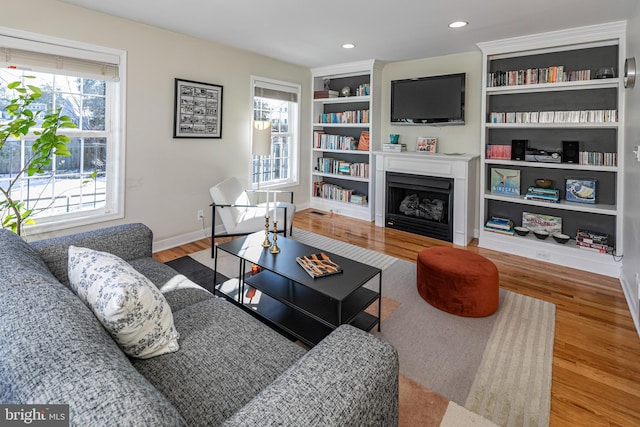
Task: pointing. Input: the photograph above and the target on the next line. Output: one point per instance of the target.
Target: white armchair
(240, 216)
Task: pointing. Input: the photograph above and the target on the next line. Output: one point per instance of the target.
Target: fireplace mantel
(463, 168)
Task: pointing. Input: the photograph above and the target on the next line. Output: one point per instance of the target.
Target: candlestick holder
(275, 249)
(266, 242)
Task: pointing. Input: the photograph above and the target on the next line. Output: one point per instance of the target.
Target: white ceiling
(310, 33)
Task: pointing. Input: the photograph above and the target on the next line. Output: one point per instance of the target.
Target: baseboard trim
(634, 306)
(183, 239)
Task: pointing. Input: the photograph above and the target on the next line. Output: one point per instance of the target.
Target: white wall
(451, 139)
(168, 180)
(631, 260)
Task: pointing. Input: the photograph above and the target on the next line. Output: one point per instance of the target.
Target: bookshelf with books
(346, 131)
(553, 105)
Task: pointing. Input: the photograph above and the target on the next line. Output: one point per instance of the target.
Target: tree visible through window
(67, 185)
(276, 102)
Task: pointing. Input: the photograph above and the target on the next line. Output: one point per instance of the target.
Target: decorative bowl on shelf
(560, 238)
(544, 183)
(521, 231)
(541, 234)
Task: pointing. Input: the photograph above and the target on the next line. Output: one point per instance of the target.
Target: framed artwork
(581, 190)
(534, 222)
(198, 110)
(426, 144)
(505, 181)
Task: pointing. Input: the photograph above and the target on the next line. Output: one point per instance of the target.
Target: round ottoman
(458, 281)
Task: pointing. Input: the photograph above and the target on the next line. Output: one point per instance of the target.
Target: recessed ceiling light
(458, 24)
(348, 46)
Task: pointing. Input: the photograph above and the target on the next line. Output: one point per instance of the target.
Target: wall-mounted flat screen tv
(433, 100)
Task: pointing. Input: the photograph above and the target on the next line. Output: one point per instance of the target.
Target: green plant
(14, 213)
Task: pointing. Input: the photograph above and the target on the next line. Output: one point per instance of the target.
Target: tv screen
(437, 100)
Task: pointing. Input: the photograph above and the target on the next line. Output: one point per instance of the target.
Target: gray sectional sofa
(230, 370)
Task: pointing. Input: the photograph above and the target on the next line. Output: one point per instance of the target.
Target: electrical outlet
(200, 215)
(543, 255)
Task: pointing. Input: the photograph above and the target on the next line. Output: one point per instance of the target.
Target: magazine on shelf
(318, 265)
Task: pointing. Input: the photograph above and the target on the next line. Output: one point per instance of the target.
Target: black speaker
(518, 148)
(570, 152)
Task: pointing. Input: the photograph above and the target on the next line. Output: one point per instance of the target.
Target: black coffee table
(291, 299)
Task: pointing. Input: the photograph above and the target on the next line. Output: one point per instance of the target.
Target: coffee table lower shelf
(299, 325)
(295, 322)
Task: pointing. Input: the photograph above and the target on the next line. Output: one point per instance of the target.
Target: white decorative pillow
(128, 305)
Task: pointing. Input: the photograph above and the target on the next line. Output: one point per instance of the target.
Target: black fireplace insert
(420, 204)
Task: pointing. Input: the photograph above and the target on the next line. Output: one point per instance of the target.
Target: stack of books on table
(499, 225)
(551, 195)
(394, 147)
(594, 241)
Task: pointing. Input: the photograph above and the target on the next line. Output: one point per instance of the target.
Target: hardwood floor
(596, 357)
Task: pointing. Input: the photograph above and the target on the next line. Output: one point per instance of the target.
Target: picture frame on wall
(198, 110)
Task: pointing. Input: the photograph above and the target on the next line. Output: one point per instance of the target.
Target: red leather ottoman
(458, 281)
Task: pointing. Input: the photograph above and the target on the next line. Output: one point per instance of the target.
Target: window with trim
(278, 103)
(86, 84)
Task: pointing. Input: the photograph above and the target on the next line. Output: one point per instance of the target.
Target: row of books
(333, 142)
(499, 225)
(363, 89)
(499, 152)
(551, 195)
(342, 167)
(532, 76)
(335, 192)
(394, 148)
(596, 158)
(356, 116)
(581, 116)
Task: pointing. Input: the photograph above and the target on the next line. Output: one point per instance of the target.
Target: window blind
(46, 57)
(271, 90)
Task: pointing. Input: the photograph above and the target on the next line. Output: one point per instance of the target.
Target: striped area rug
(498, 367)
(512, 384)
(356, 253)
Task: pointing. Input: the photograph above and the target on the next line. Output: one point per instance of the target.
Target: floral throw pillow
(128, 305)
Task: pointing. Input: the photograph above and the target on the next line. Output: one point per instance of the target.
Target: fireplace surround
(461, 168)
(420, 204)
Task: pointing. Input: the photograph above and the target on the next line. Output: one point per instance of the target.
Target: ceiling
(310, 33)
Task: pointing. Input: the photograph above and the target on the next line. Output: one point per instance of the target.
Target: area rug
(498, 367)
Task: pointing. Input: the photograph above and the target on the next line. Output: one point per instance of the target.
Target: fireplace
(462, 168)
(420, 204)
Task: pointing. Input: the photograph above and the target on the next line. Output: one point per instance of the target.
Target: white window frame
(115, 113)
(294, 131)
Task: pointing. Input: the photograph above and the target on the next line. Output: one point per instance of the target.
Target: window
(277, 102)
(86, 83)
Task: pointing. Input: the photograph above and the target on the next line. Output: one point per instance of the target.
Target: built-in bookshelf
(553, 108)
(346, 131)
